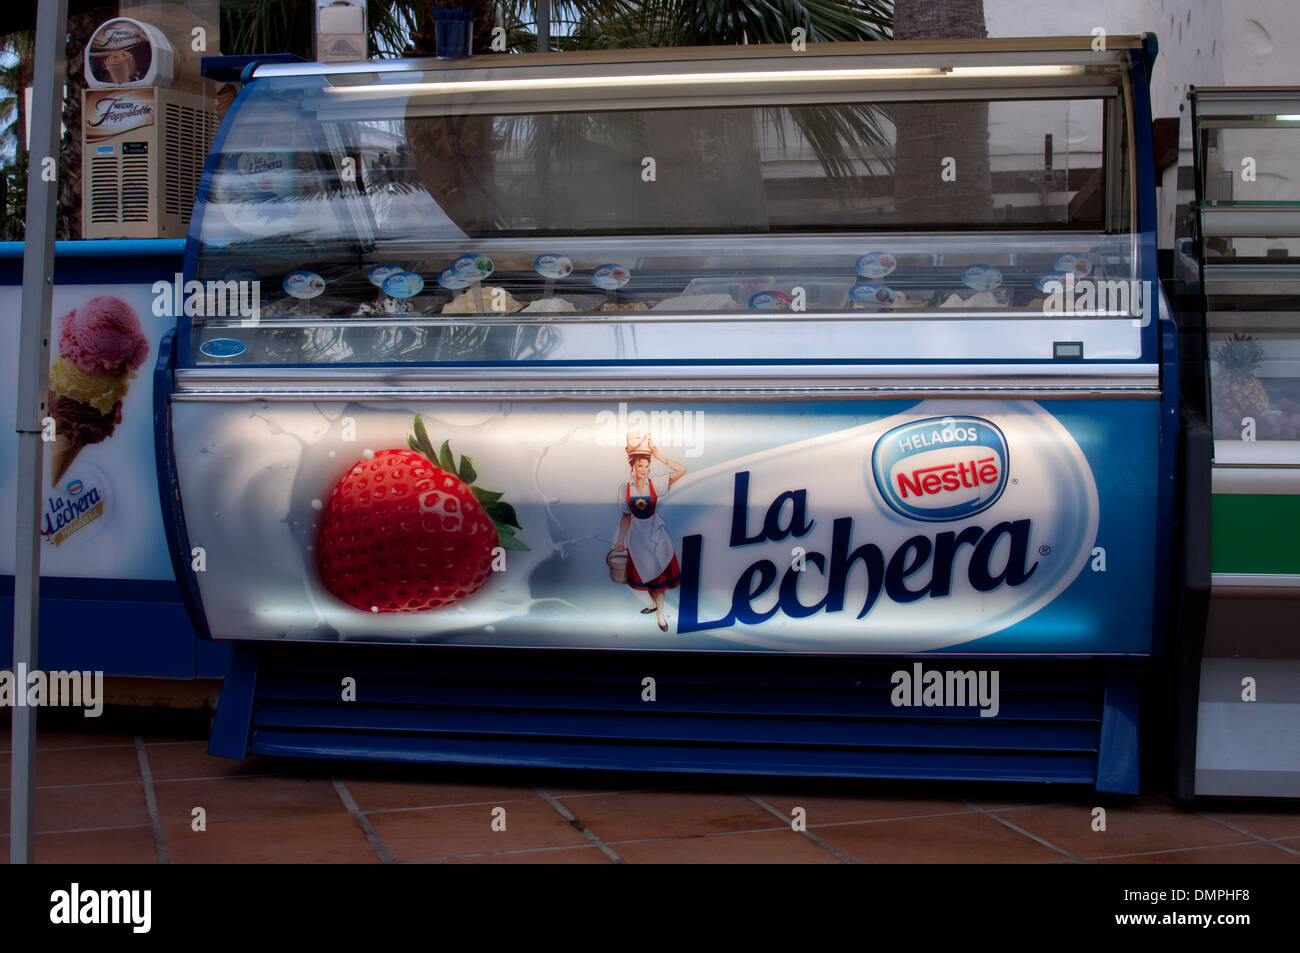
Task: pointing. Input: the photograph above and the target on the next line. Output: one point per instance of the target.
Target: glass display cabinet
(749, 354)
(1247, 251)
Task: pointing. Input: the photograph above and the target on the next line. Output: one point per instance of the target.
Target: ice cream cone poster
(100, 515)
(893, 526)
(100, 346)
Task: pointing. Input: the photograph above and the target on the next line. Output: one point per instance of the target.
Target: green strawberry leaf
(445, 459)
(502, 512)
(507, 540)
(422, 443)
(467, 471)
(510, 542)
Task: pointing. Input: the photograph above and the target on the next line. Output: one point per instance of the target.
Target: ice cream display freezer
(715, 409)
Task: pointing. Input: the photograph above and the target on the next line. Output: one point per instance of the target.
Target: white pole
(33, 382)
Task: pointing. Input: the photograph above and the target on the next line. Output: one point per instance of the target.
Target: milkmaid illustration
(643, 555)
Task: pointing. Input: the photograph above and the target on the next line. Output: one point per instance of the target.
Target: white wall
(1202, 43)
(1192, 34)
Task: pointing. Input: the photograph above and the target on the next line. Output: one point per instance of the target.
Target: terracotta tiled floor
(131, 798)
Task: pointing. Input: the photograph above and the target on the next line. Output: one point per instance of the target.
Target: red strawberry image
(407, 530)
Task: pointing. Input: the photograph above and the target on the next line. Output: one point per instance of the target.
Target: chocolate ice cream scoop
(80, 423)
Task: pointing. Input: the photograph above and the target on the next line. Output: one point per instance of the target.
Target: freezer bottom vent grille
(751, 715)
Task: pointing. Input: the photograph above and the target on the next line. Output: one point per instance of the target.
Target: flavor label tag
(1077, 265)
(449, 279)
(770, 301)
(981, 277)
(865, 292)
(553, 266)
(473, 267)
(304, 284)
(404, 284)
(381, 273)
(876, 264)
(611, 277)
(1064, 280)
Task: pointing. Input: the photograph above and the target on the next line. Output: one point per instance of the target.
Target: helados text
(921, 567)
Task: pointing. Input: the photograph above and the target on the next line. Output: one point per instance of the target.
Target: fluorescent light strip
(1287, 118)
(693, 79)
(995, 71)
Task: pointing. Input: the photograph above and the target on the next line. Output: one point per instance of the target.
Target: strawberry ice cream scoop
(103, 336)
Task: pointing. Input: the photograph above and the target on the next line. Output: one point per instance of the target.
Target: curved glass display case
(839, 205)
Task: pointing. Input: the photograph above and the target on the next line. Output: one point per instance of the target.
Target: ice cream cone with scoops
(101, 346)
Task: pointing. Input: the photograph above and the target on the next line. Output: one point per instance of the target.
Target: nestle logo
(942, 468)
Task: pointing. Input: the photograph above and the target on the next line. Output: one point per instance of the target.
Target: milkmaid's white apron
(652, 562)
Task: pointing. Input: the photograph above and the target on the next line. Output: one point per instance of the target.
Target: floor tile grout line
(1032, 836)
(95, 830)
(434, 807)
(1175, 850)
(1023, 807)
(92, 784)
(669, 790)
(582, 828)
(886, 820)
(499, 853)
(665, 840)
(151, 801)
(376, 842)
(261, 818)
(517, 800)
(834, 851)
(765, 830)
(1242, 830)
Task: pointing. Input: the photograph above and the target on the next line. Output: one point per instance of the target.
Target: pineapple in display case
(1237, 393)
